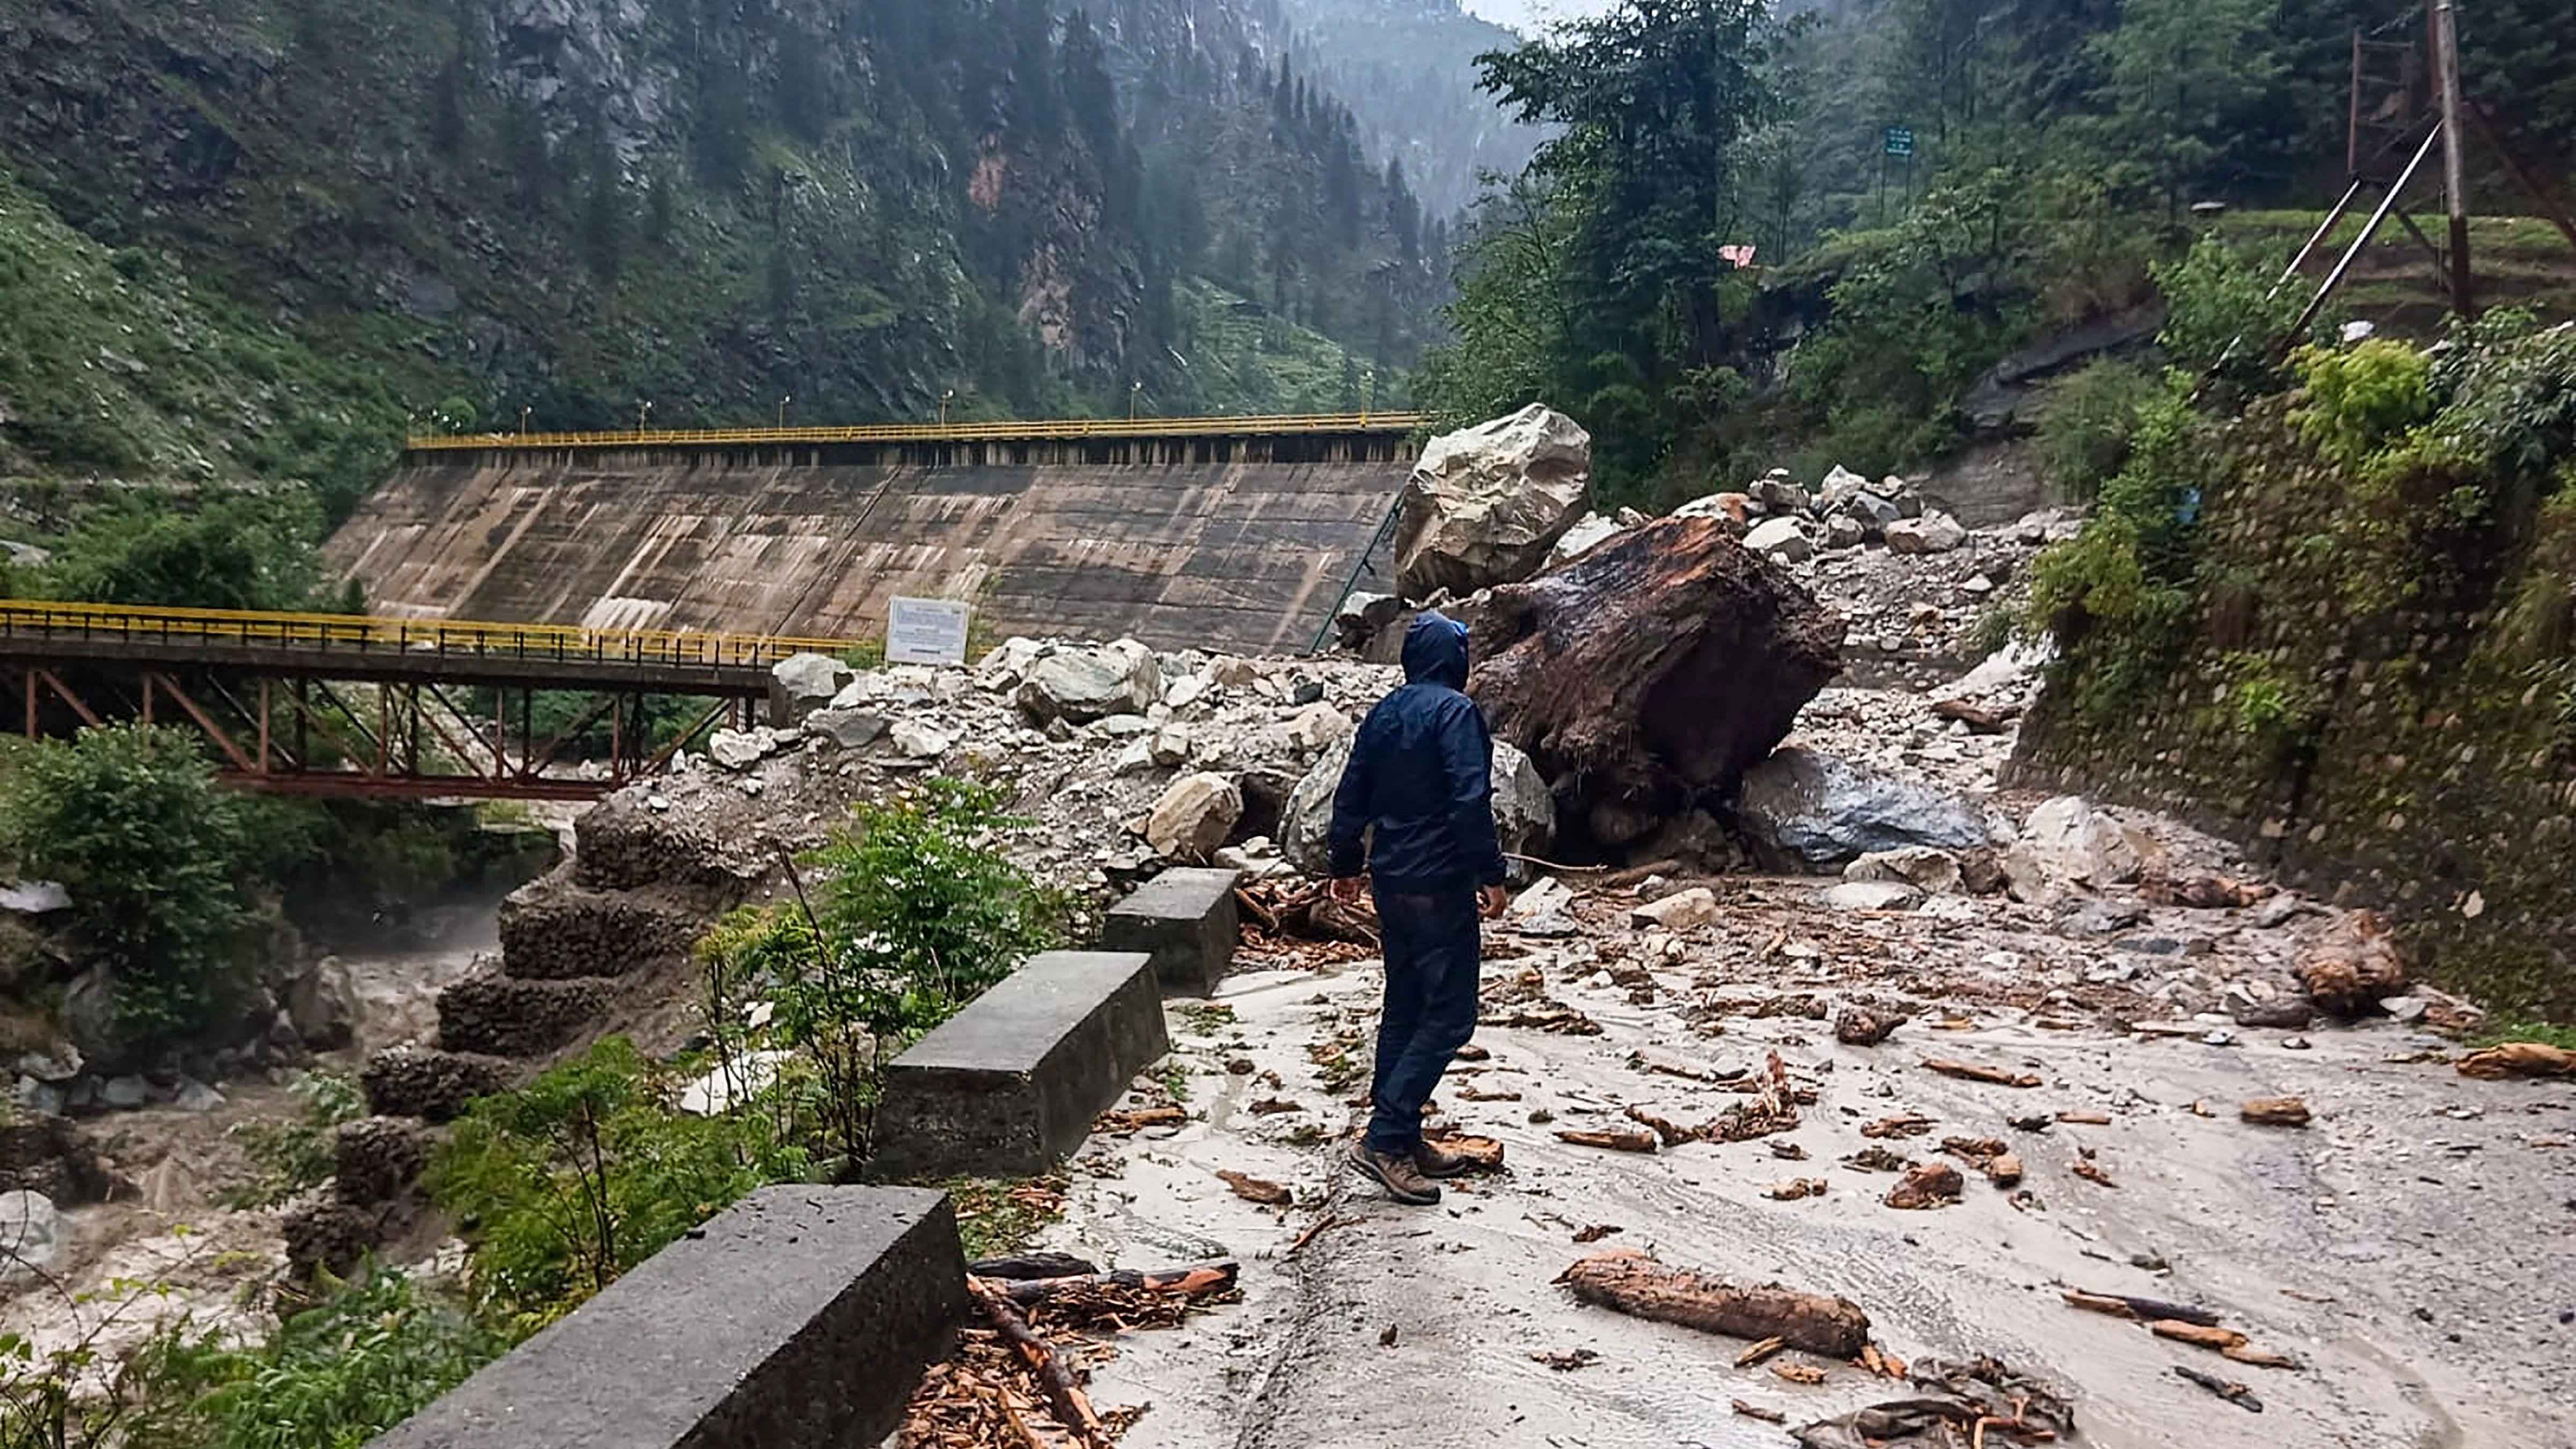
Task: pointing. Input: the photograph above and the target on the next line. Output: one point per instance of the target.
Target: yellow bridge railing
(960, 432)
(22, 619)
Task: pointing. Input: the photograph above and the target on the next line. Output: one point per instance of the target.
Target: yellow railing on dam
(961, 432)
(354, 634)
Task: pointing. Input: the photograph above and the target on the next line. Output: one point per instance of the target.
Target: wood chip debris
(1988, 1155)
(2275, 1112)
(2200, 1335)
(2518, 1059)
(1596, 1232)
(1974, 1072)
(1878, 1159)
(1795, 1188)
(1672, 1133)
(1761, 1353)
(1256, 1189)
(1615, 1139)
(1483, 1154)
(2234, 1393)
(1126, 1123)
(1799, 1373)
(2084, 1168)
(1568, 1361)
(1882, 1363)
(1928, 1184)
(1903, 1124)
(1273, 1106)
(2085, 1119)
(1754, 1411)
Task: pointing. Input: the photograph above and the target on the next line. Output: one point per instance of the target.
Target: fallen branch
(1637, 1285)
(2233, 1393)
(1973, 1072)
(1635, 874)
(1256, 1189)
(1033, 1265)
(1317, 1227)
(1072, 1406)
(1123, 1123)
(1195, 1281)
(1616, 1140)
(2121, 1305)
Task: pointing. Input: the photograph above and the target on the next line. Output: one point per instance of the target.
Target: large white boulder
(1194, 816)
(1486, 504)
(803, 683)
(1934, 532)
(1781, 540)
(31, 1237)
(1589, 532)
(1082, 685)
(2068, 846)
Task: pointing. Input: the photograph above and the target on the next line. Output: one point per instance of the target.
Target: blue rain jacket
(1421, 774)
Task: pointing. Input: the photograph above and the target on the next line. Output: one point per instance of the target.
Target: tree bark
(1637, 1285)
(1649, 674)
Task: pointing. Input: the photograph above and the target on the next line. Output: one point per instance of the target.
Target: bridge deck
(362, 649)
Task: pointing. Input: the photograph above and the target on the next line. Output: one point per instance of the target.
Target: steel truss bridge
(326, 704)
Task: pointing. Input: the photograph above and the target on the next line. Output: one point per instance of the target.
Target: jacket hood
(1435, 651)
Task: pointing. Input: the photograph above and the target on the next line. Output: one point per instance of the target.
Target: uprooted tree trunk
(1639, 1286)
(1650, 673)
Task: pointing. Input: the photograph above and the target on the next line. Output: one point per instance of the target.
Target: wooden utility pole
(2446, 82)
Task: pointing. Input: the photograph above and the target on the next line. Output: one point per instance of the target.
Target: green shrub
(561, 1186)
(913, 912)
(2223, 314)
(215, 550)
(130, 820)
(2359, 399)
(296, 1154)
(2085, 422)
(368, 1356)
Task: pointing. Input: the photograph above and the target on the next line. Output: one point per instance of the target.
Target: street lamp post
(1135, 394)
(643, 415)
(1368, 394)
(524, 414)
(782, 410)
(945, 399)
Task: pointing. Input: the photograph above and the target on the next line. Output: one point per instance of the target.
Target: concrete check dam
(1237, 534)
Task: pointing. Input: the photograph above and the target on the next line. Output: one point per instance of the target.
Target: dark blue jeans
(1431, 949)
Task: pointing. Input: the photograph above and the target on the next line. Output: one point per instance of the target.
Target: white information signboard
(927, 631)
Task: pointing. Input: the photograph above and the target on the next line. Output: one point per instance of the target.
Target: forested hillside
(2059, 151)
(1408, 69)
(462, 209)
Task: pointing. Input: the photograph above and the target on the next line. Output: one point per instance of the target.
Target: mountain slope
(467, 208)
(1408, 69)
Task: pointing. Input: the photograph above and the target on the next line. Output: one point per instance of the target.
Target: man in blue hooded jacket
(1415, 811)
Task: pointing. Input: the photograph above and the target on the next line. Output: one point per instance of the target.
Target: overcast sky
(1523, 14)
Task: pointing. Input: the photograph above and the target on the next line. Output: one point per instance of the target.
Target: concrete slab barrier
(1009, 1085)
(1185, 920)
(800, 1318)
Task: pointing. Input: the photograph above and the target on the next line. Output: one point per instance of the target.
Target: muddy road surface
(2412, 1250)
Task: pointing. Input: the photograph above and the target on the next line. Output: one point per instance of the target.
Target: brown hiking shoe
(1431, 1162)
(1397, 1174)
